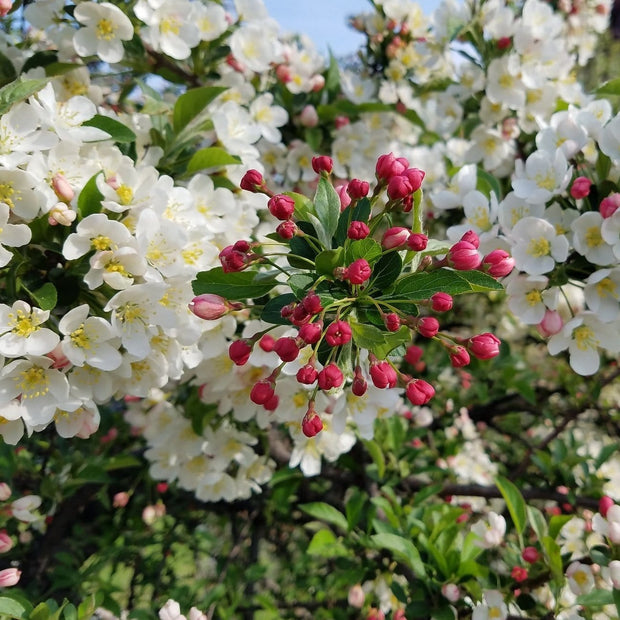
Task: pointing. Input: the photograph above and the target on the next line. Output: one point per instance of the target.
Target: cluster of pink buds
(362, 287)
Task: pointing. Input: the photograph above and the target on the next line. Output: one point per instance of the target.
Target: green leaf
(69, 612)
(376, 454)
(7, 70)
(363, 248)
(325, 512)
(514, 502)
(554, 559)
(192, 103)
(46, 297)
(556, 523)
(537, 521)
(14, 606)
(596, 598)
(303, 205)
(488, 183)
(421, 286)
(616, 595)
(212, 157)
(327, 208)
(325, 544)
(386, 270)
(354, 507)
(612, 87)
(272, 311)
(237, 286)
(117, 131)
(89, 200)
(402, 548)
(327, 260)
(122, 461)
(379, 342)
(300, 284)
(19, 90)
(40, 612)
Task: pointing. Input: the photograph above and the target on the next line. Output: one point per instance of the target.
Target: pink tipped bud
(317, 83)
(451, 591)
(310, 333)
(417, 242)
(415, 176)
(330, 377)
(609, 205)
(604, 504)
(459, 357)
(262, 392)
(209, 307)
(399, 187)
(358, 230)
(239, 351)
(309, 116)
(338, 333)
(235, 257)
(6, 542)
(552, 323)
(471, 237)
(61, 214)
(311, 425)
(419, 392)
(359, 271)
(413, 354)
(441, 302)
(498, 263)
(428, 326)
(345, 198)
(322, 163)
(120, 499)
(287, 230)
(252, 181)
(358, 189)
(484, 346)
(359, 385)
(356, 596)
(341, 121)
(5, 7)
(5, 491)
(580, 188)
(9, 577)
(281, 206)
(392, 322)
(389, 166)
(383, 375)
(464, 256)
(283, 73)
(307, 374)
(312, 303)
(286, 348)
(530, 555)
(63, 189)
(395, 237)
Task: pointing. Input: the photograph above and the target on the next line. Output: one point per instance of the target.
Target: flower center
(23, 324)
(606, 288)
(539, 247)
(593, 237)
(79, 338)
(585, 338)
(125, 194)
(105, 29)
(130, 312)
(533, 298)
(102, 243)
(33, 383)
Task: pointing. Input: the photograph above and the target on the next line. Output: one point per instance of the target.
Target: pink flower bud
(5, 491)
(359, 385)
(287, 230)
(417, 242)
(61, 214)
(464, 256)
(419, 392)
(299, 315)
(609, 205)
(471, 237)
(459, 357)
(441, 302)
(312, 303)
(311, 332)
(498, 263)
(309, 117)
(415, 176)
(552, 323)
(272, 403)
(484, 346)
(121, 499)
(286, 348)
(9, 577)
(503, 43)
(389, 166)
(358, 189)
(359, 271)
(338, 333)
(392, 322)
(356, 596)
(341, 121)
(395, 237)
(330, 377)
(307, 374)
(580, 187)
(6, 542)
(311, 425)
(358, 230)
(383, 375)
(317, 83)
(530, 555)
(345, 198)
(209, 306)
(5, 7)
(451, 592)
(519, 573)
(281, 206)
(283, 73)
(252, 181)
(428, 326)
(322, 163)
(262, 391)
(234, 258)
(239, 351)
(604, 504)
(161, 487)
(62, 187)
(413, 354)
(399, 187)
(266, 343)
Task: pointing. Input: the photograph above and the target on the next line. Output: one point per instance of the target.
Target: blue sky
(325, 21)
